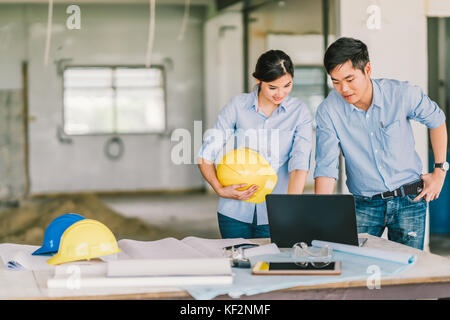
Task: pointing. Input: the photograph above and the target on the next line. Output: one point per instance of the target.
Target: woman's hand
(231, 192)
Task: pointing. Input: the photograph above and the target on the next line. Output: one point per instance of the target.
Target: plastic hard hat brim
(56, 259)
(59, 259)
(43, 251)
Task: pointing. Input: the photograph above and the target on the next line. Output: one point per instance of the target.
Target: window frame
(329, 83)
(115, 66)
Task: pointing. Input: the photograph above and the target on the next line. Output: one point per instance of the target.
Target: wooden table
(428, 278)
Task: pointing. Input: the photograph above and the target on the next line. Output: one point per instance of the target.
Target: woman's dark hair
(273, 64)
(344, 49)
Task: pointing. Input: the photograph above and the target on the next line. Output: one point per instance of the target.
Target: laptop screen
(303, 218)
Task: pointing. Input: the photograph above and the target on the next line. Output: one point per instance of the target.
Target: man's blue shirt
(378, 145)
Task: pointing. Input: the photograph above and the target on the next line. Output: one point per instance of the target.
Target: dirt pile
(27, 223)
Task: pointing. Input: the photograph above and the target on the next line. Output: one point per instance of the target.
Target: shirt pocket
(392, 137)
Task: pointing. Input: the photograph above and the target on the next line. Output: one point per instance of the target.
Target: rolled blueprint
(399, 257)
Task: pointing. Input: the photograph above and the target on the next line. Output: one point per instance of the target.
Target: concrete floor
(196, 215)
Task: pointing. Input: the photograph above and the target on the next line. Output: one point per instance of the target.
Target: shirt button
(371, 133)
(367, 116)
(376, 151)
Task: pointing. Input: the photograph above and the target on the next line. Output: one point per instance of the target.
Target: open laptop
(303, 218)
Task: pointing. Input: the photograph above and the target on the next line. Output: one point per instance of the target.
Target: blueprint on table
(354, 267)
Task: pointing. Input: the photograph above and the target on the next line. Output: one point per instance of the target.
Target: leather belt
(407, 189)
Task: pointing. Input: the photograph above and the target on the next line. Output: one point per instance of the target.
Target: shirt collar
(283, 106)
(377, 97)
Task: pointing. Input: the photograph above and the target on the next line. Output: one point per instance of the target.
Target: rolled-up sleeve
(300, 155)
(327, 146)
(423, 109)
(217, 137)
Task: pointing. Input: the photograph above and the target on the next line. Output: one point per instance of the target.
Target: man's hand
(231, 192)
(432, 185)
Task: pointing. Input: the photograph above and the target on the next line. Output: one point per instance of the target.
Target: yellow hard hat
(243, 165)
(85, 240)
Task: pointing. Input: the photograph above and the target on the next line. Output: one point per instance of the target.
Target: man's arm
(434, 181)
(438, 137)
(324, 185)
(427, 112)
(327, 154)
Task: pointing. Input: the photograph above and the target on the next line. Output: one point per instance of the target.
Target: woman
(276, 117)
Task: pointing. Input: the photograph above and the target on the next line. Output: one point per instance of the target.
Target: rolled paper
(399, 257)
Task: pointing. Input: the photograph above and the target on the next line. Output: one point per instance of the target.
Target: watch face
(445, 166)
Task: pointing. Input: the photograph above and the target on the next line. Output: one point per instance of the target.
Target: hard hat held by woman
(245, 166)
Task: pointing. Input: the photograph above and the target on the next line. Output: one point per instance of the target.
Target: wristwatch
(444, 166)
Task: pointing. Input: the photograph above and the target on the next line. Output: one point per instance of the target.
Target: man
(369, 121)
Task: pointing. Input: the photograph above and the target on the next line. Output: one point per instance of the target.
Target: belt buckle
(388, 197)
(394, 194)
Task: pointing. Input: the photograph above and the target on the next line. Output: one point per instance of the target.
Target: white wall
(114, 34)
(437, 8)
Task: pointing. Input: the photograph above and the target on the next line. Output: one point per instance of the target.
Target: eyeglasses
(237, 256)
(318, 257)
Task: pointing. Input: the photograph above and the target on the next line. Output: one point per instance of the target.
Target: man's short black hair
(344, 49)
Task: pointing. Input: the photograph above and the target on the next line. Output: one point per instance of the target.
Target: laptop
(303, 218)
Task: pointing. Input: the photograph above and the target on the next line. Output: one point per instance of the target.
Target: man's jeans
(404, 218)
(232, 228)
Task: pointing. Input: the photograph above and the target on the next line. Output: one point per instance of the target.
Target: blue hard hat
(54, 232)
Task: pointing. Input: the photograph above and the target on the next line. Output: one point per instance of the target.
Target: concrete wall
(110, 34)
(12, 135)
(223, 62)
(12, 145)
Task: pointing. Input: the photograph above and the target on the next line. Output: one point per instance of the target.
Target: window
(309, 86)
(113, 100)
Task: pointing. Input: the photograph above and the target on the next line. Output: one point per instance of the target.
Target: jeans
(232, 228)
(404, 218)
